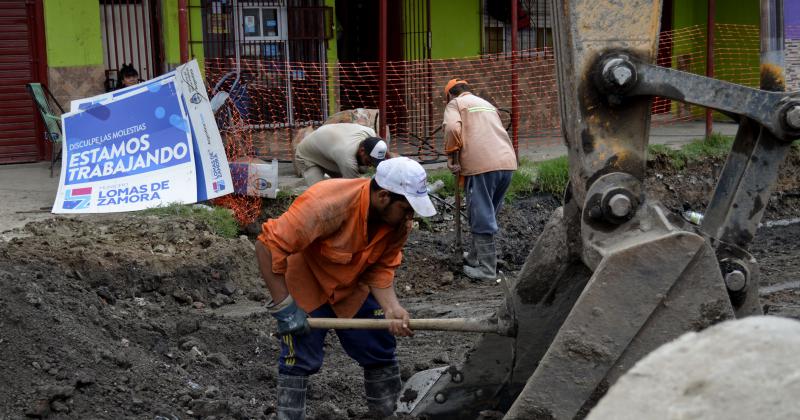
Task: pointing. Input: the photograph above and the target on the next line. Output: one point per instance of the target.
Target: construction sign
(146, 146)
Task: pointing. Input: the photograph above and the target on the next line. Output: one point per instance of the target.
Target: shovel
(457, 212)
(492, 325)
(502, 323)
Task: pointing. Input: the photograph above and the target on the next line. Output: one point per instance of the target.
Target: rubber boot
(487, 259)
(382, 386)
(292, 397)
(471, 257)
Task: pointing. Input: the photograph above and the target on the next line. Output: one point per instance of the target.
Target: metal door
(21, 46)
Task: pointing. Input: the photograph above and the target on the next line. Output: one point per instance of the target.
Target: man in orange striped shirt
(486, 159)
(333, 254)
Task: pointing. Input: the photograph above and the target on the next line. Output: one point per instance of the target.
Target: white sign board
(149, 145)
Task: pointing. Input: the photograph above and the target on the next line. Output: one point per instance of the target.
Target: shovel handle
(422, 324)
(457, 213)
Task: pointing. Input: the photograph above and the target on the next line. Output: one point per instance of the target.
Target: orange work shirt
(473, 126)
(320, 244)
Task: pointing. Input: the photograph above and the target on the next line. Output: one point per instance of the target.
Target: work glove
(291, 319)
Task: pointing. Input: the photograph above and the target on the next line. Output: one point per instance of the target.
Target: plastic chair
(51, 111)
(239, 97)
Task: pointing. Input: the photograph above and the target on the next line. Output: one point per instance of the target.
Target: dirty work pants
(311, 173)
(302, 355)
(484, 194)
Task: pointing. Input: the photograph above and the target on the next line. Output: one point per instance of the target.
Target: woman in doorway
(127, 76)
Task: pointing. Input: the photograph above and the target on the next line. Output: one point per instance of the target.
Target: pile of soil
(138, 317)
(693, 185)
(131, 316)
(430, 262)
(104, 318)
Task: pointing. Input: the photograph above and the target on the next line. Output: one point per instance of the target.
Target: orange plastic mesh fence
(239, 144)
(271, 100)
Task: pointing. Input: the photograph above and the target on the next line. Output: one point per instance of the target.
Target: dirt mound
(135, 317)
(430, 261)
(694, 184)
(130, 316)
(100, 317)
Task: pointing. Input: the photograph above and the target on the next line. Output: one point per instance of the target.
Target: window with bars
(263, 23)
(533, 25)
(273, 49)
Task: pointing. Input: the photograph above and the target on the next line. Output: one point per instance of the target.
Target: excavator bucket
(578, 330)
(614, 274)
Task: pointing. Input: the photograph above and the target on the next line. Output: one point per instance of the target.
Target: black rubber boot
(292, 397)
(486, 269)
(382, 386)
(471, 257)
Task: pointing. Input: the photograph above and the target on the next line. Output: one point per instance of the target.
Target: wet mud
(128, 316)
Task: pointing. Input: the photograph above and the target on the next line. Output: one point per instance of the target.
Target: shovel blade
(416, 388)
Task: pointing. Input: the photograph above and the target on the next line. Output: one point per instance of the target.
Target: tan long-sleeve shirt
(473, 127)
(333, 147)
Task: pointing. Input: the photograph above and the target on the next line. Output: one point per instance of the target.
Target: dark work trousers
(484, 194)
(302, 355)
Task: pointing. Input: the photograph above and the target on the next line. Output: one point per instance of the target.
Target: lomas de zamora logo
(77, 198)
(218, 185)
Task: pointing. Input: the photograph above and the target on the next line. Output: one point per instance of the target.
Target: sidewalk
(28, 191)
(673, 135)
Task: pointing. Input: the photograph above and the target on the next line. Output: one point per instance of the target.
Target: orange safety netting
(238, 144)
(270, 100)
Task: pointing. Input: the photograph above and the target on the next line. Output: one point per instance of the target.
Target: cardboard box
(254, 177)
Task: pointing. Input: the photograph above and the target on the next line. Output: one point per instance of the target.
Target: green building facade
(78, 56)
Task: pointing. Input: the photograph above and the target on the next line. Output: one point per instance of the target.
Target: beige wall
(70, 83)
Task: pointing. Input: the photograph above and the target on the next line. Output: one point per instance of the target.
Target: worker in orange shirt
(486, 159)
(333, 254)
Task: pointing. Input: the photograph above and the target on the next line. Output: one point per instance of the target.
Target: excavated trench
(133, 316)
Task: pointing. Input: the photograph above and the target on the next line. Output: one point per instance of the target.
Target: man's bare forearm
(276, 283)
(387, 297)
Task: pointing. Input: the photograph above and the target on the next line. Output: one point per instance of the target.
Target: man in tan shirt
(474, 132)
(338, 150)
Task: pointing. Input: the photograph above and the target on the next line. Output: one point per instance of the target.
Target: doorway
(131, 35)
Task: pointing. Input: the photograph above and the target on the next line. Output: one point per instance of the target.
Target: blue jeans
(484, 194)
(303, 355)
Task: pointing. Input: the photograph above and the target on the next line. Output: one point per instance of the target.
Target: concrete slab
(28, 193)
(291, 183)
(678, 134)
(674, 135)
(739, 369)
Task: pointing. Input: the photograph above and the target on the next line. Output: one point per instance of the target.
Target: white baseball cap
(402, 175)
(376, 148)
